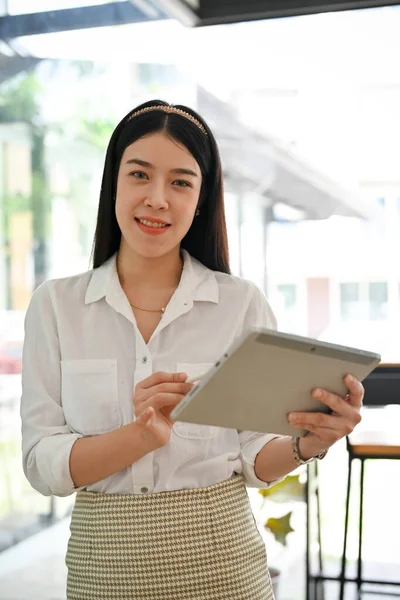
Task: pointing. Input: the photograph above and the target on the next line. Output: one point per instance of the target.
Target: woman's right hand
(155, 398)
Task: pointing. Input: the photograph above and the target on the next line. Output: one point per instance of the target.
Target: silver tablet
(267, 375)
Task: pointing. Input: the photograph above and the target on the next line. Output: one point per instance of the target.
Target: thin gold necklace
(162, 310)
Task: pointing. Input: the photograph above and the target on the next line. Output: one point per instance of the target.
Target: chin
(151, 252)
(156, 253)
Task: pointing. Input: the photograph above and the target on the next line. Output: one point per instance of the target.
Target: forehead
(161, 151)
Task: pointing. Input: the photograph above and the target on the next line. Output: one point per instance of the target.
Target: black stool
(365, 446)
(362, 446)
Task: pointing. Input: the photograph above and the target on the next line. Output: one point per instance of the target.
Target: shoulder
(61, 290)
(74, 285)
(244, 295)
(232, 284)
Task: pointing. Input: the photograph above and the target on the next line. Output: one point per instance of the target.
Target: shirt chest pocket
(190, 430)
(90, 395)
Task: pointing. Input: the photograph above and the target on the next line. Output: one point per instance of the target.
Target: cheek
(189, 206)
(119, 207)
(186, 215)
(190, 209)
(123, 212)
(126, 198)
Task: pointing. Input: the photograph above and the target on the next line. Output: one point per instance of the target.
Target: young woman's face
(158, 189)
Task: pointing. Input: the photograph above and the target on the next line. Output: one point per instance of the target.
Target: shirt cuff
(250, 447)
(52, 461)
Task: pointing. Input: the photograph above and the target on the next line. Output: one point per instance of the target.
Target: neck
(159, 273)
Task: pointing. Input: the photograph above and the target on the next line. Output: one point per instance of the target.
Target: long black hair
(207, 238)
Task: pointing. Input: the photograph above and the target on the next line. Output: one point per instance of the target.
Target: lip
(153, 220)
(151, 230)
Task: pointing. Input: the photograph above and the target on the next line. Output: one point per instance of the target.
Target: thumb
(146, 417)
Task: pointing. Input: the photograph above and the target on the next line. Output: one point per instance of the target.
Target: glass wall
(309, 132)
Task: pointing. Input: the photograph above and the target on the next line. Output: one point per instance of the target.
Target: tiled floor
(35, 568)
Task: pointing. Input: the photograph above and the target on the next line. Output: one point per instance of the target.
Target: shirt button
(144, 360)
(144, 490)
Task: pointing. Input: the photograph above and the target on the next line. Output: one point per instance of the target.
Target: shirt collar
(100, 281)
(198, 283)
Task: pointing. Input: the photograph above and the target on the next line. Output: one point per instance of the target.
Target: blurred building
(339, 278)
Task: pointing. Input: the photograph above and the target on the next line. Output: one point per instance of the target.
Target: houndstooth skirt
(195, 544)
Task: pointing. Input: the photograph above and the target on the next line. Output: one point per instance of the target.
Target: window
(349, 300)
(284, 299)
(381, 201)
(288, 295)
(364, 301)
(378, 300)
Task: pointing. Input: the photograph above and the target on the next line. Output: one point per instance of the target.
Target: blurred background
(305, 109)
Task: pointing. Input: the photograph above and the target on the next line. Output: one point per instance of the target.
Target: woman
(161, 509)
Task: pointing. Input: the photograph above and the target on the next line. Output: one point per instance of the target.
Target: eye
(181, 183)
(138, 175)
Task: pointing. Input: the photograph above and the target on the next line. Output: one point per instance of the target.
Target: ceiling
(268, 169)
(216, 12)
(193, 13)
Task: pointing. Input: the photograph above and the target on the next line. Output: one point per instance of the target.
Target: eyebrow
(143, 163)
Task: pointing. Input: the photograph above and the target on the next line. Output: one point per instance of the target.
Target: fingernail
(292, 418)
(317, 393)
(183, 376)
(350, 378)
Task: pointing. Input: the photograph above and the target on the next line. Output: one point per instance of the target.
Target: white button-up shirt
(83, 356)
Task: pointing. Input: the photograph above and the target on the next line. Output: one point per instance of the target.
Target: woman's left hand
(326, 429)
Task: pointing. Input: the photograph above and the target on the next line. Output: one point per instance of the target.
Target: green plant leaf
(288, 489)
(96, 131)
(20, 99)
(280, 528)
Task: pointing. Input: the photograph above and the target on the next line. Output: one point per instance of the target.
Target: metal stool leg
(346, 525)
(321, 596)
(360, 529)
(308, 520)
(308, 534)
(311, 581)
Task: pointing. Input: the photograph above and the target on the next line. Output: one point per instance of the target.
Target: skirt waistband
(233, 484)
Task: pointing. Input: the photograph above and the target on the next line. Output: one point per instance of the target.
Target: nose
(157, 197)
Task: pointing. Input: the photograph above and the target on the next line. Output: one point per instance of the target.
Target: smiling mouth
(154, 225)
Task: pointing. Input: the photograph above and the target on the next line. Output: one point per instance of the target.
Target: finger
(311, 421)
(161, 377)
(171, 388)
(356, 390)
(338, 405)
(146, 417)
(166, 412)
(326, 437)
(162, 388)
(164, 400)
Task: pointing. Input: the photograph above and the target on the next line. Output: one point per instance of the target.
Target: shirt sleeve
(46, 438)
(259, 314)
